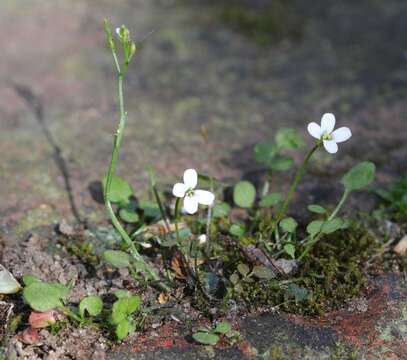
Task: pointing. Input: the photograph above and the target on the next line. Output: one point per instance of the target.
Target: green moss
(332, 274)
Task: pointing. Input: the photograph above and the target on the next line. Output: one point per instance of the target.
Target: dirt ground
(193, 69)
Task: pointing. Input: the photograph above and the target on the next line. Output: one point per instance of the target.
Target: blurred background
(240, 69)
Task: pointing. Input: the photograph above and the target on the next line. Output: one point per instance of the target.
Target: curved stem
(299, 174)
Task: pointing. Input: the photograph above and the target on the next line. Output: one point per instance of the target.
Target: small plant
(211, 335)
(394, 199)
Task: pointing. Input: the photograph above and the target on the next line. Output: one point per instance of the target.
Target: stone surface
(58, 114)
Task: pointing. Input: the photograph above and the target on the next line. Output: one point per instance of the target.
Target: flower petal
(330, 146)
(314, 130)
(204, 197)
(190, 178)
(191, 204)
(328, 123)
(342, 134)
(179, 190)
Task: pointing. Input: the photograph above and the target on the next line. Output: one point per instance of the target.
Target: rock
(65, 229)
(8, 284)
(401, 247)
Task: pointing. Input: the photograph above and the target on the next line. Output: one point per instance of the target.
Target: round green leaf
(244, 194)
(332, 225)
(359, 176)
(288, 224)
(128, 215)
(290, 250)
(223, 327)
(314, 227)
(120, 190)
(116, 258)
(206, 338)
(237, 230)
(270, 200)
(123, 329)
(281, 163)
(316, 209)
(44, 297)
(93, 305)
(221, 210)
(243, 269)
(263, 272)
(289, 139)
(264, 152)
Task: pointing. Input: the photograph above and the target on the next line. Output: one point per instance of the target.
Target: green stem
(177, 203)
(111, 172)
(312, 242)
(299, 174)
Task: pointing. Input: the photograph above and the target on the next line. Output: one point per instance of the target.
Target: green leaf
(221, 210)
(244, 194)
(243, 269)
(120, 190)
(116, 258)
(264, 152)
(263, 272)
(223, 327)
(44, 297)
(359, 176)
(123, 329)
(129, 215)
(270, 200)
(314, 227)
(121, 293)
(206, 338)
(29, 279)
(124, 307)
(237, 230)
(93, 305)
(288, 224)
(332, 225)
(150, 209)
(290, 250)
(299, 293)
(289, 139)
(316, 209)
(282, 163)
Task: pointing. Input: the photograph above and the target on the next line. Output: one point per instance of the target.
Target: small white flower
(326, 133)
(118, 31)
(202, 239)
(192, 197)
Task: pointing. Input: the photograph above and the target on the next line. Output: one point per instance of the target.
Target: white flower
(192, 197)
(118, 31)
(202, 239)
(326, 133)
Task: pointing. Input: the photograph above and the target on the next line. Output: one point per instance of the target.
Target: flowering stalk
(128, 50)
(298, 176)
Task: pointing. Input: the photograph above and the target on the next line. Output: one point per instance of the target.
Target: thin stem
(113, 163)
(299, 174)
(312, 242)
(177, 203)
(340, 204)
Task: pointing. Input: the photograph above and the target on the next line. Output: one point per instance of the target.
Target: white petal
(191, 204)
(328, 123)
(204, 197)
(315, 130)
(330, 146)
(190, 178)
(179, 190)
(118, 31)
(342, 134)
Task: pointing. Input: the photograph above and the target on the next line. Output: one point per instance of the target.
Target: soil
(197, 66)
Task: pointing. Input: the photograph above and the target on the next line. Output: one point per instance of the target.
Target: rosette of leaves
(211, 335)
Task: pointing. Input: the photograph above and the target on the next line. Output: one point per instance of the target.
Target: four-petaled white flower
(192, 197)
(326, 133)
